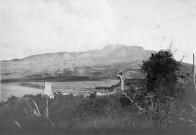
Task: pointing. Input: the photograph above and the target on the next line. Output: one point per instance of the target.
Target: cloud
(39, 26)
(46, 26)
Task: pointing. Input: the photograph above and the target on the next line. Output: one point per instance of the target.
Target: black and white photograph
(97, 67)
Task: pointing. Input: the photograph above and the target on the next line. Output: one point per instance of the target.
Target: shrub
(161, 69)
(97, 106)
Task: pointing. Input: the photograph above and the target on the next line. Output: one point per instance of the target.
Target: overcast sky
(40, 26)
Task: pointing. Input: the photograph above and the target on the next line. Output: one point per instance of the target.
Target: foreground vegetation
(167, 103)
(114, 112)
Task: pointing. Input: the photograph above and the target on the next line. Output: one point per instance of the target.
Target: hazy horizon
(30, 27)
(112, 45)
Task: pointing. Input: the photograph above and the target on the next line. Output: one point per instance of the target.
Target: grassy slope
(107, 73)
(14, 110)
(10, 111)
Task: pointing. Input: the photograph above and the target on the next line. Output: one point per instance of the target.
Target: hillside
(99, 63)
(79, 66)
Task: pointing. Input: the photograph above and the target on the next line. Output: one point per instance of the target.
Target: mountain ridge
(85, 63)
(79, 52)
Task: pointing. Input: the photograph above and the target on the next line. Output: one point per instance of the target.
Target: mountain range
(98, 63)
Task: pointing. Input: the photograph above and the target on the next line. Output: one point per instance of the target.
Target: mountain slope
(87, 63)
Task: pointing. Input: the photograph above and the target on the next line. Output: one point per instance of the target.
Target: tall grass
(108, 112)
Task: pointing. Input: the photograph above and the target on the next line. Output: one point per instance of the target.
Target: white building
(48, 90)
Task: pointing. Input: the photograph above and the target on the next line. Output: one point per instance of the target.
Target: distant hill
(93, 64)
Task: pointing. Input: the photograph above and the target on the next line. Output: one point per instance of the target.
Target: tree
(161, 69)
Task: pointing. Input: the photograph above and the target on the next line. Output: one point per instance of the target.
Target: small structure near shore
(48, 90)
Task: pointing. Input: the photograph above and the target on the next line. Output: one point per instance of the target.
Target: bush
(97, 106)
(161, 69)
